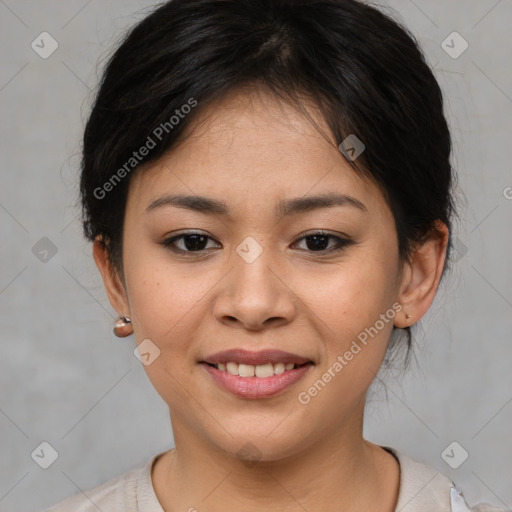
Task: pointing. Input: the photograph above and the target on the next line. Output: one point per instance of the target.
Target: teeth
(232, 368)
(279, 368)
(246, 370)
(249, 370)
(264, 370)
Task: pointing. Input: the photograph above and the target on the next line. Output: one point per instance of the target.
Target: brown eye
(324, 242)
(317, 242)
(188, 242)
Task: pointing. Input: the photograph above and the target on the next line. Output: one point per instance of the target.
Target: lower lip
(257, 387)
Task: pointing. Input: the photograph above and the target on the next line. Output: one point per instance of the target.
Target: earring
(407, 316)
(123, 327)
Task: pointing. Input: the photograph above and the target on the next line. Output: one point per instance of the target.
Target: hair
(363, 71)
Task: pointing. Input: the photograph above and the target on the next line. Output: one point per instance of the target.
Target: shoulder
(119, 493)
(129, 492)
(423, 489)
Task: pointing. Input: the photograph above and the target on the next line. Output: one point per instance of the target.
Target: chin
(261, 447)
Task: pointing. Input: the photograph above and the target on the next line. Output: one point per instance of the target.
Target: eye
(324, 242)
(188, 242)
(196, 242)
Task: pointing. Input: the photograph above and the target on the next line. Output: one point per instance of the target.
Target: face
(288, 251)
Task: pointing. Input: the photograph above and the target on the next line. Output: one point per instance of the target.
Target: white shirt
(422, 489)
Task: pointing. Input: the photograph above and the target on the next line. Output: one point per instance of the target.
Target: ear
(421, 276)
(114, 285)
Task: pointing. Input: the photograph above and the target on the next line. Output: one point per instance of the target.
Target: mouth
(262, 374)
(260, 371)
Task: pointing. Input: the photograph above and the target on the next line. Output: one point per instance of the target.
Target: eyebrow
(284, 208)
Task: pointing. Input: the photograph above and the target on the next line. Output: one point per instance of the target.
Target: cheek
(354, 293)
(167, 307)
(354, 304)
(355, 313)
(161, 293)
(167, 304)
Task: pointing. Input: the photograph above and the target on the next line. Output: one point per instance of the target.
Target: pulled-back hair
(361, 69)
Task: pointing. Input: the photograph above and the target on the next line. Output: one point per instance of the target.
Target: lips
(262, 357)
(256, 375)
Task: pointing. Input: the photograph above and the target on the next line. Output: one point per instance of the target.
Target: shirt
(422, 489)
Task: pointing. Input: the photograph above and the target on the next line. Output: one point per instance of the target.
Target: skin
(251, 151)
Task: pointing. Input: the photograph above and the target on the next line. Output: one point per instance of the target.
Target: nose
(255, 296)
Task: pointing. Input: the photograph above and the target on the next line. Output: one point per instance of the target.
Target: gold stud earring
(123, 327)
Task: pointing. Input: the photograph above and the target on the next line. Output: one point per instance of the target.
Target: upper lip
(260, 357)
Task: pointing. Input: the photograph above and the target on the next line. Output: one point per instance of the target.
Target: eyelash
(341, 242)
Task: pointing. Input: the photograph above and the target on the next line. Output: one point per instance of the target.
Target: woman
(267, 186)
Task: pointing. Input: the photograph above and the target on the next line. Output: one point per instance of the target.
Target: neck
(341, 471)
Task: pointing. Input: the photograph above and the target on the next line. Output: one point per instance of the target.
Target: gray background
(65, 379)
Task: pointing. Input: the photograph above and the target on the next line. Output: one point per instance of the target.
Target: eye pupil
(195, 242)
(317, 242)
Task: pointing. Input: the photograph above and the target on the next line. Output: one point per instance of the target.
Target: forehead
(252, 146)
